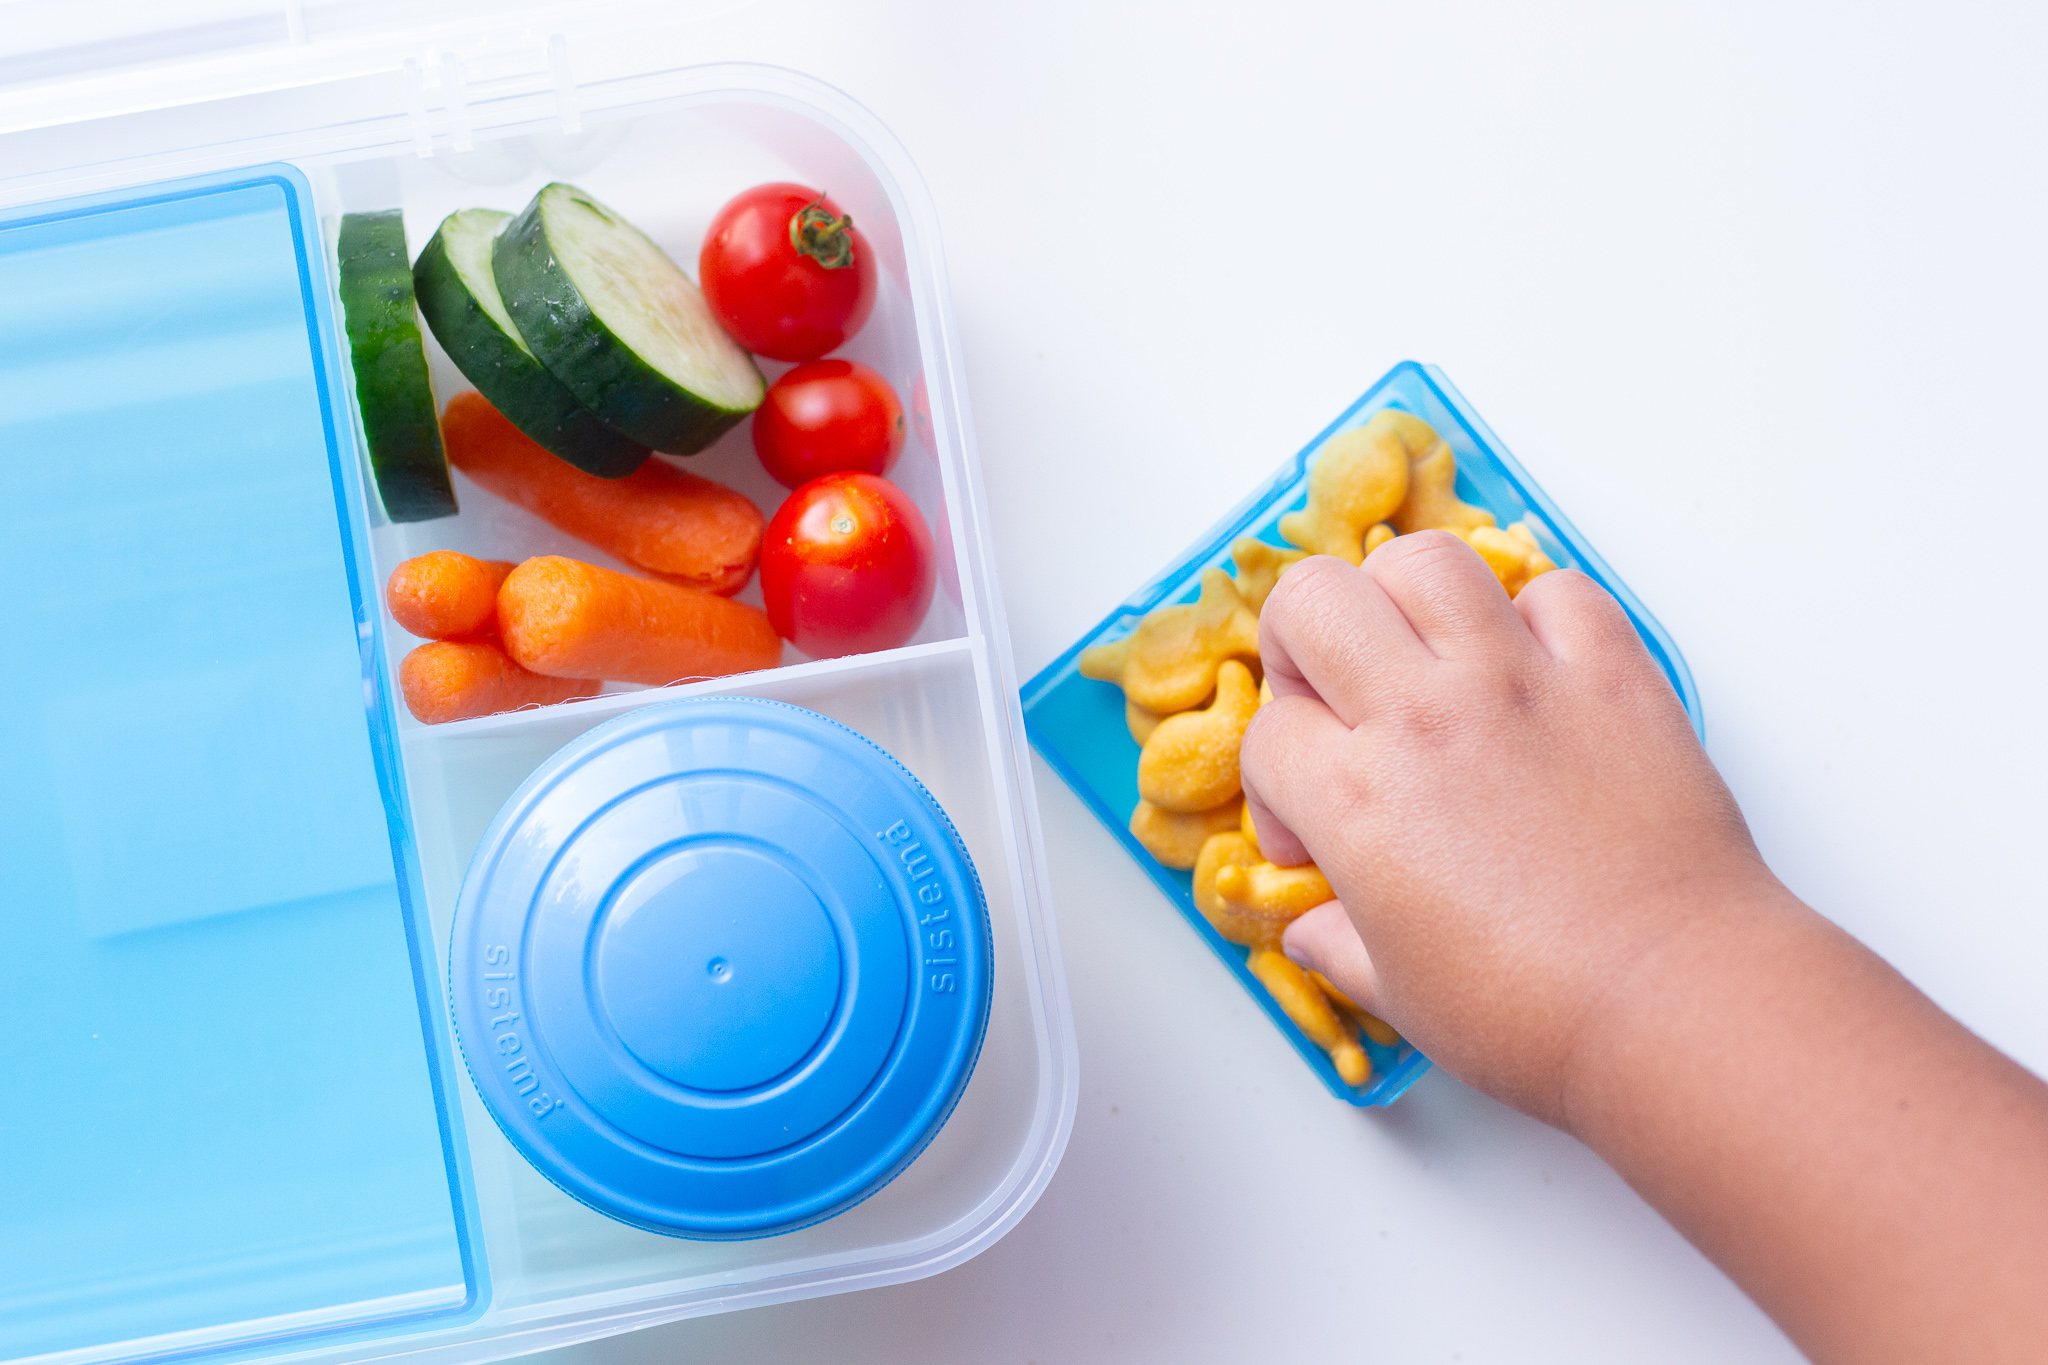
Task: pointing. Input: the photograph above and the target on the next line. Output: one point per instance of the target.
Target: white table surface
(1757, 296)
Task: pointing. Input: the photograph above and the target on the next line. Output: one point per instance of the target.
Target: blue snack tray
(1078, 724)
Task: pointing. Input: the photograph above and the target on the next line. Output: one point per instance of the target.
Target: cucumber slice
(393, 391)
(617, 322)
(459, 299)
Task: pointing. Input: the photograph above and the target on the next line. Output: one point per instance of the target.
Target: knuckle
(1278, 752)
(1577, 595)
(1264, 752)
(1423, 556)
(1253, 751)
(1439, 573)
(1307, 590)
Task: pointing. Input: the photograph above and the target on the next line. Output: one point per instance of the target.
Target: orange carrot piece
(456, 679)
(569, 619)
(669, 524)
(446, 595)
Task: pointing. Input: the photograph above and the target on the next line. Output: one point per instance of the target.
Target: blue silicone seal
(720, 967)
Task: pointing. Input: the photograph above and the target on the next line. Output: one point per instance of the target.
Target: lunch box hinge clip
(490, 81)
(564, 84)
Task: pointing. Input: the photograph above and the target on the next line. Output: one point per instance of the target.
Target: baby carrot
(667, 523)
(445, 595)
(454, 680)
(569, 619)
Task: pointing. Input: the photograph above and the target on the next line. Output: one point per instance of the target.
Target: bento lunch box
(337, 1036)
(1078, 724)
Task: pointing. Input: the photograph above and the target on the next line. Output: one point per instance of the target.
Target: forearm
(1871, 1173)
(1548, 888)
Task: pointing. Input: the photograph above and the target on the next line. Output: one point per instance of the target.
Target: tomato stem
(815, 233)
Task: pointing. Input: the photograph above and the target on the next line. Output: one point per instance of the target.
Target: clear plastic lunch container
(237, 1124)
(1078, 724)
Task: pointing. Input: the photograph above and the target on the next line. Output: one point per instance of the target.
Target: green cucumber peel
(458, 295)
(388, 358)
(620, 325)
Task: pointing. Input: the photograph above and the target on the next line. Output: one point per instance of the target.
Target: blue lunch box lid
(720, 967)
(231, 1121)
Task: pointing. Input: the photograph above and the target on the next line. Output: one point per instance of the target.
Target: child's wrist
(1680, 996)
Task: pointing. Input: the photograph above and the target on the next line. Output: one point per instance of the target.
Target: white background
(1756, 292)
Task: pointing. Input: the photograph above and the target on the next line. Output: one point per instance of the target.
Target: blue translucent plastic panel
(224, 1115)
(1079, 726)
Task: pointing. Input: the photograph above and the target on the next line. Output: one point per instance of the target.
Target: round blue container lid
(720, 967)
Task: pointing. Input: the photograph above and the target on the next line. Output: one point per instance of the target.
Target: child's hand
(1506, 796)
(1558, 901)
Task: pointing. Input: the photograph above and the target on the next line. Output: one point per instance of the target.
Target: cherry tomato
(787, 272)
(826, 416)
(847, 566)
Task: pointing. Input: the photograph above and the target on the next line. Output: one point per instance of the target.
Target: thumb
(1322, 940)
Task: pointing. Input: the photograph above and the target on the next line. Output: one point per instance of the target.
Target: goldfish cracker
(1378, 536)
(1263, 899)
(1432, 503)
(1190, 762)
(1236, 923)
(1513, 554)
(1140, 722)
(1259, 567)
(1376, 1028)
(1264, 890)
(1271, 892)
(1359, 477)
(1417, 437)
(1170, 662)
(1306, 1005)
(1379, 1030)
(1175, 838)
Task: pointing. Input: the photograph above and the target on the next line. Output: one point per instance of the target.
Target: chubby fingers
(1453, 603)
(1324, 940)
(1330, 631)
(1575, 619)
(1284, 764)
(1349, 635)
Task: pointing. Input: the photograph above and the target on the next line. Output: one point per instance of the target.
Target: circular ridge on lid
(720, 967)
